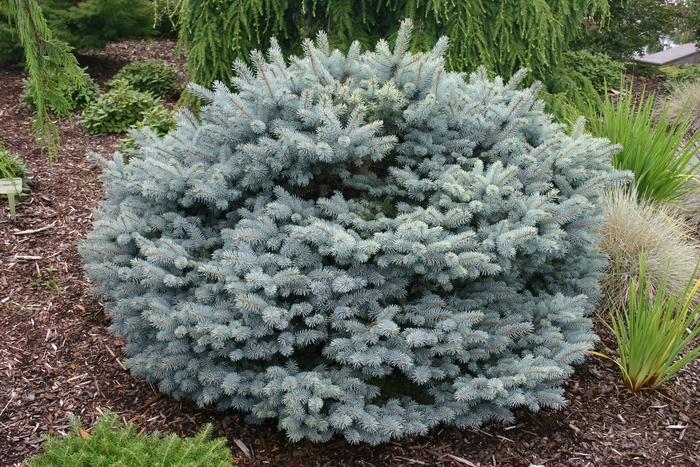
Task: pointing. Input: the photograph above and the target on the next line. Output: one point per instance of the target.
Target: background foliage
(503, 36)
(688, 12)
(632, 24)
(89, 24)
(10, 46)
(603, 72)
(50, 65)
(119, 109)
(78, 95)
(154, 76)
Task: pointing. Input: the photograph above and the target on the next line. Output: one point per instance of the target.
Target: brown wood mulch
(57, 356)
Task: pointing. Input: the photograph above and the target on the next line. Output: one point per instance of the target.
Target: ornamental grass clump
(660, 231)
(655, 331)
(683, 101)
(364, 245)
(654, 147)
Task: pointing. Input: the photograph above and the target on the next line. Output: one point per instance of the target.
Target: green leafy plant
(655, 328)
(77, 94)
(119, 109)
(154, 76)
(653, 147)
(160, 120)
(49, 281)
(682, 73)
(12, 166)
(603, 71)
(108, 445)
(18, 309)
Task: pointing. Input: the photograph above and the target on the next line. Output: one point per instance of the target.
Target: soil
(57, 356)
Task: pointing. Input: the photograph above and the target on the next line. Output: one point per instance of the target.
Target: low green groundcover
(108, 445)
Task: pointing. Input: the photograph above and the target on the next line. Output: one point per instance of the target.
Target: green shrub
(119, 109)
(631, 26)
(638, 69)
(77, 97)
(11, 166)
(568, 95)
(654, 148)
(682, 73)
(654, 329)
(159, 120)
(154, 76)
(89, 24)
(364, 245)
(108, 445)
(603, 71)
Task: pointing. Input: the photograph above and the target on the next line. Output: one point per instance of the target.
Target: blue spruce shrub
(360, 244)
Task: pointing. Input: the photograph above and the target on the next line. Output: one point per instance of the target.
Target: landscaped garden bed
(57, 357)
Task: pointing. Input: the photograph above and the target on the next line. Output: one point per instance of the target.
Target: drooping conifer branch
(50, 66)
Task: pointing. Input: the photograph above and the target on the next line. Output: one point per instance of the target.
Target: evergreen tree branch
(49, 64)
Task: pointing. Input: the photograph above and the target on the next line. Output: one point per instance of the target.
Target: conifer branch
(50, 66)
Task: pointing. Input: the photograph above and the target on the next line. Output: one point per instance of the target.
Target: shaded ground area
(57, 357)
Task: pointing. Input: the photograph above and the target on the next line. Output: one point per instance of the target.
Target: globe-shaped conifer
(361, 244)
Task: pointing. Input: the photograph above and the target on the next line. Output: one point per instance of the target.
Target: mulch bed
(58, 358)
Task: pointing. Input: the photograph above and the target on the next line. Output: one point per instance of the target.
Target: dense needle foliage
(360, 244)
(503, 36)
